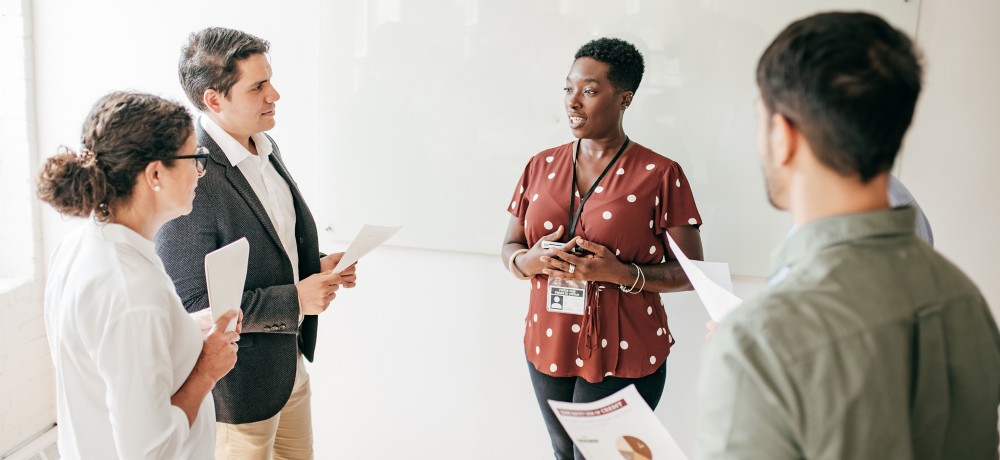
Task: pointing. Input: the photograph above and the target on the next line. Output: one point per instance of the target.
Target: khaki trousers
(286, 436)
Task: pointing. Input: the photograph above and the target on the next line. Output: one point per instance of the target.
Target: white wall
(26, 378)
(952, 154)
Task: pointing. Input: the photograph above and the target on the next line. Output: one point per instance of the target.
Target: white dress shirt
(271, 189)
(122, 345)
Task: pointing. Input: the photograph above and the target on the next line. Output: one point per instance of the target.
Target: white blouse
(122, 345)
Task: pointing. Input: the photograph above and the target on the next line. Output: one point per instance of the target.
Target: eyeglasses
(200, 158)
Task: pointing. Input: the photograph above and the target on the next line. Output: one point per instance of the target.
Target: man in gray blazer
(262, 405)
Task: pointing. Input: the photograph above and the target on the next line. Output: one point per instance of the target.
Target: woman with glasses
(133, 369)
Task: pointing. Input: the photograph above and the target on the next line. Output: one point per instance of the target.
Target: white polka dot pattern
(623, 202)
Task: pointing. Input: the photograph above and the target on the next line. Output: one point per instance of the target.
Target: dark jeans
(576, 389)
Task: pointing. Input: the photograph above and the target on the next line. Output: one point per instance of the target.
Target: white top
(122, 345)
(271, 189)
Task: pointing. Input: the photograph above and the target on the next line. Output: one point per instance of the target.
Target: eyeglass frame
(201, 158)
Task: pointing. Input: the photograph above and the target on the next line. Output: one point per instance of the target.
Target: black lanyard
(574, 219)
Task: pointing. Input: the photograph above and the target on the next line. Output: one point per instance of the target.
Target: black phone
(577, 250)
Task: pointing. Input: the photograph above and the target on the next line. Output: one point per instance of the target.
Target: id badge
(567, 296)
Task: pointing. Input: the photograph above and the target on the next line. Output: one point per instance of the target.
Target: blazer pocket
(247, 340)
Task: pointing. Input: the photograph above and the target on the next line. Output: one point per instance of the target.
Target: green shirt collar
(830, 231)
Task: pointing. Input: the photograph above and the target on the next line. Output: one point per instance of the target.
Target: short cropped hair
(625, 63)
(849, 82)
(210, 60)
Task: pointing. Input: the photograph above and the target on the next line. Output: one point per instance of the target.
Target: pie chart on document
(633, 448)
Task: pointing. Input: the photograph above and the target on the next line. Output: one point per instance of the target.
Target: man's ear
(784, 140)
(212, 99)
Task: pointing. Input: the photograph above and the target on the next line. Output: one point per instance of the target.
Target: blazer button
(267, 328)
(283, 327)
(302, 240)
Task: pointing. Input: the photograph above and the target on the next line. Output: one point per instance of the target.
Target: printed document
(370, 237)
(621, 426)
(711, 281)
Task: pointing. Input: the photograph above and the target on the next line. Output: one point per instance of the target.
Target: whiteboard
(423, 114)
(430, 110)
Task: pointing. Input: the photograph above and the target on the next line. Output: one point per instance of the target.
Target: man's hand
(348, 276)
(710, 326)
(317, 291)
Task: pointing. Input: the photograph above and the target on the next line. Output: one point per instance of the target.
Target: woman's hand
(218, 353)
(530, 263)
(599, 265)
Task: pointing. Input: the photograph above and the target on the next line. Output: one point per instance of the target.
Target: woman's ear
(151, 175)
(626, 99)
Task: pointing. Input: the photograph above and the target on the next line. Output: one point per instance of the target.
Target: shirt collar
(830, 231)
(235, 151)
(118, 233)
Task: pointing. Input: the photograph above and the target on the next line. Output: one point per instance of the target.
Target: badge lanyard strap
(574, 219)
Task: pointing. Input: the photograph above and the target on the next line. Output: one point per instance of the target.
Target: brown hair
(124, 132)
(210, 60)
(849, 82)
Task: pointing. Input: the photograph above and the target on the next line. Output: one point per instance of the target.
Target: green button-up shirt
(871, 346)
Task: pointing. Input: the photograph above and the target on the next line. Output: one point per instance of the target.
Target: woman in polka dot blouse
(631, 198)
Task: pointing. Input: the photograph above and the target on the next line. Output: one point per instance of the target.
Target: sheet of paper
(711, 281)
(225, 276)
(370, 237)
(619, 426)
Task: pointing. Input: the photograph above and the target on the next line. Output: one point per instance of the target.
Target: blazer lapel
(279, 166)
(239, 183)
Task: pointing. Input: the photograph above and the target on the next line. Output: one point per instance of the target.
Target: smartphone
(577, 250)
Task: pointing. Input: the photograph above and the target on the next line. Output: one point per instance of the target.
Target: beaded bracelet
(638, 275)
(513, 268)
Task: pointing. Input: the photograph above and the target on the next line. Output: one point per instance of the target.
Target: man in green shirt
(868, 344)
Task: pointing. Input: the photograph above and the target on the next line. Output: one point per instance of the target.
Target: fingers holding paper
(317, 291)
(348, 276)
(218, 353)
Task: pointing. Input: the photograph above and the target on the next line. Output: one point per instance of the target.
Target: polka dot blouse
(642, 195)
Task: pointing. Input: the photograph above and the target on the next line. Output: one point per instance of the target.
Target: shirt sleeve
(519, 201)
(742, 414)
(675, 206)
(133, 358)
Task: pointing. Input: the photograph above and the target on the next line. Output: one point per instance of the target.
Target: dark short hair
(849, 82)
(625, 63)
(210, 60)
(124, 132)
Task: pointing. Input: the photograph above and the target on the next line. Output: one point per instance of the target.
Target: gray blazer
(227, 209)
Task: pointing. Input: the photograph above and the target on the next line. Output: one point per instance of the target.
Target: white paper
(225, 276)
(619, 426)
(711, 281)
(370, 237)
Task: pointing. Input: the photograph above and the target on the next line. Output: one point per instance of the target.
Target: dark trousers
(576, 389)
